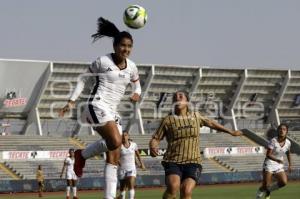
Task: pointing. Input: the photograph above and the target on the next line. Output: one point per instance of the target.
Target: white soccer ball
(135, 16)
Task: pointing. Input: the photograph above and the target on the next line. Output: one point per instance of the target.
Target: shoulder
(133, 144)
(288, 142)
(131, 65)
(273, 140)
(101, 62)
(167, 119)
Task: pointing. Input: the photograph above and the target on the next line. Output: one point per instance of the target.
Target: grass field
(238, 191)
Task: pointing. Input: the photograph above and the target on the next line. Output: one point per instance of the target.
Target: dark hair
(108, 29)
(283, 124)
(186, 94)
(71, 150)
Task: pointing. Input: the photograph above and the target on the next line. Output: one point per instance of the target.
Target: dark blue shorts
(184, 171)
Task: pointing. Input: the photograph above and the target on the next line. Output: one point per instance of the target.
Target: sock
(123, 194)
(68, 190)
(273, 187)
(94, 149)
(74, 189)
(111, 180)
(131, 193)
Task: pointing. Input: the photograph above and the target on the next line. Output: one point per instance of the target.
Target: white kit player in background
(112, 73)
(70, 175)
(127, 169)
(274, 163)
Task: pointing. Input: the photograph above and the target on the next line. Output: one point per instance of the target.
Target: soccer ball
(135, 16)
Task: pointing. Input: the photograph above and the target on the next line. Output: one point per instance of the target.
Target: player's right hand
(66, 108)
(154, 146)
(154, 152)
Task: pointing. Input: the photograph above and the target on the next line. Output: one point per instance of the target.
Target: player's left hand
(290, 169)
(135, 97)
(237, 133)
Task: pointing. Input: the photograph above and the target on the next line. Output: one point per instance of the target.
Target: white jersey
(111, 81)
(127, 159)
(69, 162)
(277, 151)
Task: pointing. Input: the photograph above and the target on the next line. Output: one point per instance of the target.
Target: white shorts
(70, 175)
(273, 168)
(123, 173)
(98, 116)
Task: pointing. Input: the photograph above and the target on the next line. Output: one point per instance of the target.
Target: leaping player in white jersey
(274, 164)
(70, 175)
(112, 73)
(127, 169)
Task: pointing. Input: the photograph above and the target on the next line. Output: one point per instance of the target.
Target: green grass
(240, 191)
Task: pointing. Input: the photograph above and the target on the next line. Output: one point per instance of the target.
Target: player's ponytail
(108, 29)
(105, 28)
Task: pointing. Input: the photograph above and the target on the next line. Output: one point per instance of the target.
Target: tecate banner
(34, 155)
(233, 151)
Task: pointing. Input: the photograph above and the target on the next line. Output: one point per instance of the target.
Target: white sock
(123, 194)
(131, 194)
(68, 190)
(94, 149)
(110, 181)
(74, 189)
(274, 186)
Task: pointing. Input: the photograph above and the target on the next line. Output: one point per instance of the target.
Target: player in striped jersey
(182, 160)
(112, 73)
(274, 165)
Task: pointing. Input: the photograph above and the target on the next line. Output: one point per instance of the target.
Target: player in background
(182, 160)
(127, 169)
(70, 175)
(274, 164)
(112, 73)
(40, 179)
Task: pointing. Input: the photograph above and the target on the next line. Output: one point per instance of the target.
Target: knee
(186, 191)
(172, 189)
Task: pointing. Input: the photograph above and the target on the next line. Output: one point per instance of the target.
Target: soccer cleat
(75, 197)
(67, 197)
(79, 163)
(268, 195)
(259, 194)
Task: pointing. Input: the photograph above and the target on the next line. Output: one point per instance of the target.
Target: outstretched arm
(77, 91)
(215, 125)
(157, 136)
(154, 146)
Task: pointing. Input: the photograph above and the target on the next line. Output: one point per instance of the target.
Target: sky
(216, 33)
